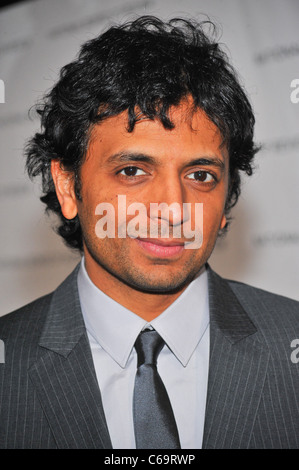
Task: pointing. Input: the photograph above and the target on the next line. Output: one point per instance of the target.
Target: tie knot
(148, 346)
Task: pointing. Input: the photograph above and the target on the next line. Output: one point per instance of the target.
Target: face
(186, 166)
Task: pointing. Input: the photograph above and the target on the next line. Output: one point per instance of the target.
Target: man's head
(150, 81)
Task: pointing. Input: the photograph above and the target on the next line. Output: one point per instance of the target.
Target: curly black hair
(147, 65)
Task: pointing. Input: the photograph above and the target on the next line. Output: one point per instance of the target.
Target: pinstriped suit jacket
(49, 392)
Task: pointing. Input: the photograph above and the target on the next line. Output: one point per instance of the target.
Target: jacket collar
(64, 324)
(226, 312)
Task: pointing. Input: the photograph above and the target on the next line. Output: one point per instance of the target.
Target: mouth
(161, 248)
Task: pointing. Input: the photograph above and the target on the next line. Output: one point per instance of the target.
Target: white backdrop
(38, 37)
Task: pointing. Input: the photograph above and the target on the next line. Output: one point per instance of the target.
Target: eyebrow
(124, 157)
(207, 161)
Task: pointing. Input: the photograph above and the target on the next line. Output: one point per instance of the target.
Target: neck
(153, 304)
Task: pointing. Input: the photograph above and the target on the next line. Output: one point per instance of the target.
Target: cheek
(93, 195)
(103, 217)
(213, 209)
(213, 219)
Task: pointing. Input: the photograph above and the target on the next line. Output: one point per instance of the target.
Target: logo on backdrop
(2, 91)
(295, 92)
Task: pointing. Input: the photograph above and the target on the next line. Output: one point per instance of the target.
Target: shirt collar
(184, 322)
(116, 328)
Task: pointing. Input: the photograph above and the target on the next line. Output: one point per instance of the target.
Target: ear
(65, 191)
(223, 222)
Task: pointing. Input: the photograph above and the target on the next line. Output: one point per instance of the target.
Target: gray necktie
(154, 422)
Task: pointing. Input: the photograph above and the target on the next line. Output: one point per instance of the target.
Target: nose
(168, 198)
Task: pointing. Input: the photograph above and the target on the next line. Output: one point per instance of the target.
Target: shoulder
(259, 298)
(23, 326)
(20, 333)
(35, 313)
(26, 312)
(271, 312)
(22, 329)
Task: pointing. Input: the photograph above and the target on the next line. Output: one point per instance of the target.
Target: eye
(132, 171)
(202, 176)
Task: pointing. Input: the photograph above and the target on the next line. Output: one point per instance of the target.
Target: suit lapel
(238, 365)
(64, 375)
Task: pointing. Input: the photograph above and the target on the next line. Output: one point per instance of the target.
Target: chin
(155, 285)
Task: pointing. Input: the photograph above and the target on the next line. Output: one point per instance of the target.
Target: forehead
(193, 133)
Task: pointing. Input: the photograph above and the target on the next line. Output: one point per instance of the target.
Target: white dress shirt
(183, 365)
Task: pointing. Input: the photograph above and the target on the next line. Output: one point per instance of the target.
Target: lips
(161, 248)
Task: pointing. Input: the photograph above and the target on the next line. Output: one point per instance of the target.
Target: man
(143, 140)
